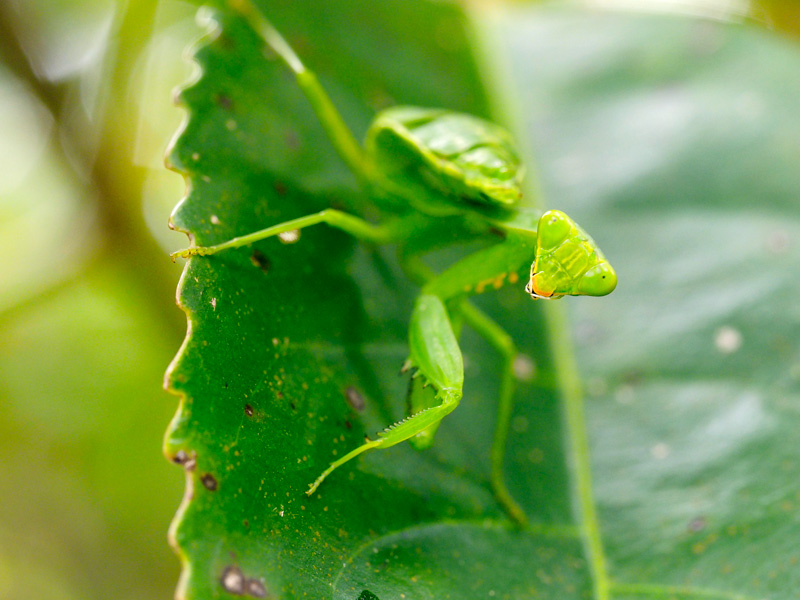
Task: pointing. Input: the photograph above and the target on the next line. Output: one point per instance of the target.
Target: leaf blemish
(355, 399)
(292, 141)
(255, 587)
(728, 339)
(697, 524)
(520, 424)
(260, 260)
(289, 237)
(660, 451)
(226, 41)
(248, 410)
(209, 482)
(524, 367)
(779, 242)
(232, 580)
(224, 101)
(188, 461)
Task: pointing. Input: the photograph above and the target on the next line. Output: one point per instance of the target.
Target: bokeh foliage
(87, 314)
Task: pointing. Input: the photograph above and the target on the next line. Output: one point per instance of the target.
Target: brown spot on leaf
(255, 588)
(248, 410)
(260, 260)
(226, 41)
(292, 140)
(355, 399)
(186, 459)
(209, 481)
(233, 580)
(697, 524)
(224, 101)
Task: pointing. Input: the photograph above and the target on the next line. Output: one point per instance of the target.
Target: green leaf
(667, 140)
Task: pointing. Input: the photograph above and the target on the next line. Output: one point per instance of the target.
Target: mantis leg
(483, 270)
(332, 122)
(497, 337)
(436, 355)
(352, 153)
(355, 226)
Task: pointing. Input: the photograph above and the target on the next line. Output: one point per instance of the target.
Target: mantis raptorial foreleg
(488, 269)
(497, 337)
(436, 355)
(434, 349)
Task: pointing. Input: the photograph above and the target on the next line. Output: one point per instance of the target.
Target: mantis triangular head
(568, 262)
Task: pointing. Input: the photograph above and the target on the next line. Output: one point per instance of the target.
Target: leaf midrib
(497, 80)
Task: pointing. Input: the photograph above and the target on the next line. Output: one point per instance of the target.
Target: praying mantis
(429, 171)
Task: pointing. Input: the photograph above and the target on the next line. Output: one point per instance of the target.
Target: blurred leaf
(86, 495)
(646, 129)
(678, 141)
(45, 225)
(58, 52)
(84, 333)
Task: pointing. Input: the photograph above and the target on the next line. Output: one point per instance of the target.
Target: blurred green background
(88, 322)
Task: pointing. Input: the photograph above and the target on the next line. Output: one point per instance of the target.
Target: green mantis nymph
(430, 171)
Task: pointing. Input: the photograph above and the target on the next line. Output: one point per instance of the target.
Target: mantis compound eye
(554, 228)
(600, 280)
